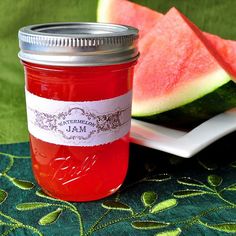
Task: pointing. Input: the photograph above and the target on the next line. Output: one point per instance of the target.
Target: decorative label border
(78, 123)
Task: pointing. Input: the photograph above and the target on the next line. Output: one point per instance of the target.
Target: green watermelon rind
(222, 99)
(183, 95)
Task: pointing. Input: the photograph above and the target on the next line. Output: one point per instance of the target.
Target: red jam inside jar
(70, 159)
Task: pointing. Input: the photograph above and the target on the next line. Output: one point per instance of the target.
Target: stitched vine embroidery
(200, 188)
(10, 223)
(148, 199)
(55, 214)
(149, 207)
(140, 220)
(213, 189)
(149, 218)
(22, 184)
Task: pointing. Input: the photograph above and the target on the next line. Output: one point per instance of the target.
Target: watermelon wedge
(183, 76)
(186, 68)
(144, 18)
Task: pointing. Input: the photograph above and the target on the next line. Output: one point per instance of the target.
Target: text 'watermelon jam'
(78, 99)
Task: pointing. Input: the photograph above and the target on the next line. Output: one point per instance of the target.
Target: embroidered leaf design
(3, 196)
(229, 227)
(160, 178)
(233, 164)
(40, 193)
(148, 198)
(164, 205)
(31, 206)
(231, 187)
(175, 232)
(113, 205)
(214, 180)
(163, 177)
(51, 217)
(190, 182)
(188, 193)
(22, 184)
(208, 165)
(147, 225)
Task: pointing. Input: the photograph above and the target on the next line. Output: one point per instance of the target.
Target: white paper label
(78, 123)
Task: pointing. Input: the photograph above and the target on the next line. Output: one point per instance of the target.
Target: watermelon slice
(144, 18)
(186, 68)
(180, 76)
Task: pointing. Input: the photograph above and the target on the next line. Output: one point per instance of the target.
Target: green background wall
(215, 16)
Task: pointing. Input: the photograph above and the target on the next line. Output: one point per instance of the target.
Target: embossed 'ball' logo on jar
(67, 170)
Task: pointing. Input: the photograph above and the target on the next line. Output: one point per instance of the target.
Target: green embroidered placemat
(162, 195)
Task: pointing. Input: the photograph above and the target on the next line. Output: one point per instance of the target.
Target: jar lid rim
(82, 43)
(79, 30)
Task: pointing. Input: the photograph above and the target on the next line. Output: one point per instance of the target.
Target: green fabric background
(14, 15)
(198, 208)
(215, 16)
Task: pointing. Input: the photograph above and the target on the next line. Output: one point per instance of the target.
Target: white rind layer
(182, 95)
(103, 6)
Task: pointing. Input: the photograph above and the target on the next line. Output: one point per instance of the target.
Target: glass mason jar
(78, 90)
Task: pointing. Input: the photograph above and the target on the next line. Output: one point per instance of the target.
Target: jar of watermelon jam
(78, 96)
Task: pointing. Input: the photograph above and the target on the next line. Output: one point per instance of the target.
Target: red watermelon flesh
(226, 49)
(125, 12)
(143, 18)
(186, 66)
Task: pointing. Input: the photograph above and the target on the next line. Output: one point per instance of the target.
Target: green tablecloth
(162, 193)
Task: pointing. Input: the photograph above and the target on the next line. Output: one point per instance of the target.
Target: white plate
(183, 144)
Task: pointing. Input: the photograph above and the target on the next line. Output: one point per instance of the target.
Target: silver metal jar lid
(78, 44)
